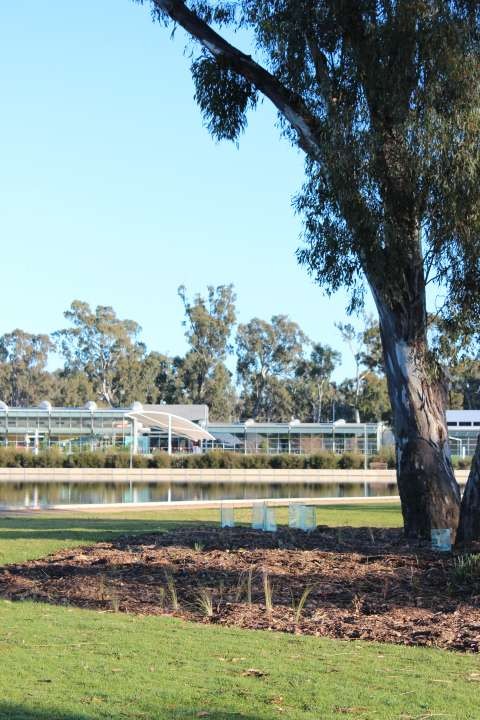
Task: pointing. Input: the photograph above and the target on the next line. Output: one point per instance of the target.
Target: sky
(113, 192)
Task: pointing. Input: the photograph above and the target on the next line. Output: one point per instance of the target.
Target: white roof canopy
(179, 425)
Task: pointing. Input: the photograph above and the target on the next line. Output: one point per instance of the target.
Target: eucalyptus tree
(202, 376)
(70, 388)
(313, 375)
(24, 379)
(267, 357)
(97, 343)
(382, 96)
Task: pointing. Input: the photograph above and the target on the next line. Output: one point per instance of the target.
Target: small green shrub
(214, 459)
(322, 461)
(116, 460)
(466, 569)
(287, 462)
(351, 461)
(50, 458)
(160, 460)
(385, 455)
(254, 462)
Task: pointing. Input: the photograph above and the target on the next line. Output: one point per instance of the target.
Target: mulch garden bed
(359, 583)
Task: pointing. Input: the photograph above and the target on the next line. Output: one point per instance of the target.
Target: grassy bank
(64, 664)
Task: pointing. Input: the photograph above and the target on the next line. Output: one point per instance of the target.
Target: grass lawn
(61, 663)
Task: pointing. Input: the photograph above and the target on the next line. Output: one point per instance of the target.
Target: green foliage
(385, 455)
(383, 99)
(312, 387)
(159, 460)
(223, 96)
(267, 356)
(96, 344)
(288, 462)
(466, 569)
(24, 379)
(323, 461)
(214, 460)
(201, 376)
(70, 389)
(351, 461)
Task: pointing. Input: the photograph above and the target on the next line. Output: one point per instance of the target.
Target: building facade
(186, 428)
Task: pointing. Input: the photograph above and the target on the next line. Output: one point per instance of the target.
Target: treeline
(279, 373)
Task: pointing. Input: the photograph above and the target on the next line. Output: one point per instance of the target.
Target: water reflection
(29, 494)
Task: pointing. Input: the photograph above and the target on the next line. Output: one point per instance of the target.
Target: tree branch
(290, 105)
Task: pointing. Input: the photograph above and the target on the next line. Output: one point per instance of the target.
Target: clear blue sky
(112, 191)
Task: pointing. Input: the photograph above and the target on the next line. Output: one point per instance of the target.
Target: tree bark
(469, 527)
(428, 490)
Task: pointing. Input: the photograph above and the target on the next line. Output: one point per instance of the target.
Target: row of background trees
(279, 373)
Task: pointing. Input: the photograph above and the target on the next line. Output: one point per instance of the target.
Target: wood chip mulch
(360, 583)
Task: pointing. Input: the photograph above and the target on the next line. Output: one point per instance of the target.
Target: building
(143, 428)
(463, 430)
(186, 428)
(298, 437)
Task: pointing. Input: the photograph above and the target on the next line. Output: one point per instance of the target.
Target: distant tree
(97, 344)
(267, 356)
(70, 389)
(372, 354)
(364, 344)
(143, 377)
(382, 97)
(24, 379)
(369, 399)
(465, 384)
(312, 382)
(201, 375)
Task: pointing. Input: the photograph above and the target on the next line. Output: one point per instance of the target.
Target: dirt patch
(356, 583)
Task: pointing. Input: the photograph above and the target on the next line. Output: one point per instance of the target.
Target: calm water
(43, 494)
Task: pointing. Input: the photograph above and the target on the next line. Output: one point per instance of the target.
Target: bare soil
(360, 583)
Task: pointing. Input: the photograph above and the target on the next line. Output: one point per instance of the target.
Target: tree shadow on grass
(88, 530)
(14, 711)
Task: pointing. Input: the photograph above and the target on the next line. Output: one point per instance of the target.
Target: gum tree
(383, 99)
(96, 343)
(268, 354)
(202, 376)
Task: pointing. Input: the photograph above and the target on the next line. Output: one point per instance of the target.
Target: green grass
(61, 663)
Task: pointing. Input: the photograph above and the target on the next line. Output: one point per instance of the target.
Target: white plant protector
(442, 539)
(227, 516)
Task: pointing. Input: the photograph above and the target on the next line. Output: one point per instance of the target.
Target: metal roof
(165, 420)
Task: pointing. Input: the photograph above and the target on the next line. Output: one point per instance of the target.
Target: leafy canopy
(384, 98)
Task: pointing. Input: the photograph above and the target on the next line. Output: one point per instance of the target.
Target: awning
(179, 425)
(227, 439)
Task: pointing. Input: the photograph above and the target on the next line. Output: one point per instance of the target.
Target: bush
(160, 460)
(254, 462)
(214, 460)
(351, 461)
(386, 455)
(322, 461)
(287, 462)
(466, 569)
(51, 458)
(86, 459)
